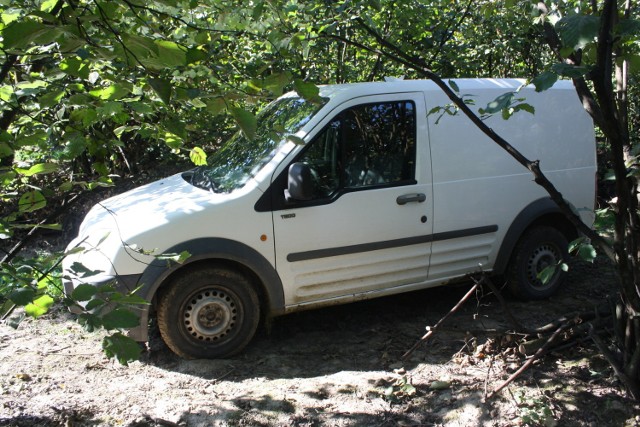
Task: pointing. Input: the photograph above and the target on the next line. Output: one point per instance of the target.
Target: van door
(368, 225)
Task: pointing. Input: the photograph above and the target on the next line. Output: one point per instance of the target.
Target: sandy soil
(338, 366)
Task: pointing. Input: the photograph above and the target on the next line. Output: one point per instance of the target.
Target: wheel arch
(223, 252)
(543, 211)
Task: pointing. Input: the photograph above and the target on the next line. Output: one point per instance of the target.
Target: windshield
(241, 158)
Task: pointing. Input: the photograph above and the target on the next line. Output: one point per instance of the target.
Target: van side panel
(477, 183)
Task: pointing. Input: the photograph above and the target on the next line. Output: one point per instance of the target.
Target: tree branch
(533, 166)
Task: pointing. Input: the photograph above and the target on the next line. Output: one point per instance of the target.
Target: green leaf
(627, 27)
(575, 244)
(408, 389)
(544, 81)
(198, 156)
(308, 91)
(84, 292)
(37, 138)
(22, 296)
(500, 103)
(547, 273)
(524, 107)
(439, 385)
(173, 141)
(247, 121)
(570, 71)
(120, 318)
(51, 99)
(195, 55)
(75, 146)
(141, 47)
(6, 93)
(215, 105)
(81, 271)
(75, 67)
(94, 303)
(48, 5)
(40, 168)
(162, 88)
(39, 306)
(115, 91)
(129, 299)
(171, 54)
(587, 252)
(295, 139)
(20, 34)
(123, 348)
(454, 86)
(110, 109)
(275, 83)
(31, 201)
(577, 31)
(5, 150)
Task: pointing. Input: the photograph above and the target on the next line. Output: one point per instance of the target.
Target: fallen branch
(582, 322)
(432, 330)
(541, 351)
(586, 316)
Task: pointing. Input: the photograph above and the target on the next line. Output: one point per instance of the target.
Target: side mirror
(300, 185)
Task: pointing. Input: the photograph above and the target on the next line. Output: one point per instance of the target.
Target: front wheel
(538, 248)
(208, 313)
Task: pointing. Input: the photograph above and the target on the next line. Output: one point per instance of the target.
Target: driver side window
(369, 145)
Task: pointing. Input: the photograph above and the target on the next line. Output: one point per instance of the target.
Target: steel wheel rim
(542, 257)
(210, 314)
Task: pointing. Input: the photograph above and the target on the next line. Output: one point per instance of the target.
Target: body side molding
(388, 244)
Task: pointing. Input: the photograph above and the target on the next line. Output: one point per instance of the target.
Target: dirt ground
(337, 366)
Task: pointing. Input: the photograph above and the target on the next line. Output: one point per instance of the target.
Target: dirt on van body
(337, 366)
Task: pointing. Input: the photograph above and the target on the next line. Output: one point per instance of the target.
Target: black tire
(538, 248)
(208, 313)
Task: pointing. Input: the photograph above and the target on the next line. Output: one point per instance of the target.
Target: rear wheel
(539, 248)
(208, 313)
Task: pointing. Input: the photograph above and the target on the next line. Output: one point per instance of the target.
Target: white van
(371, 196)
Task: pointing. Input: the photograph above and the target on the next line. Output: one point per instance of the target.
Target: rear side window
(366, 146)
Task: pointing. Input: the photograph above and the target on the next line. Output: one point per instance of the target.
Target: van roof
(335, 92)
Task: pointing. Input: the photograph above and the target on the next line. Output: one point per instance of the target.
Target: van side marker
(388, 244)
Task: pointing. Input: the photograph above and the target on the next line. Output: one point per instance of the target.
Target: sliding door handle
(408, 198)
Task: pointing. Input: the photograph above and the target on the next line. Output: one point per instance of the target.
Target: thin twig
(514, 322)
(430, 331)
(615, 364)
(486, 381)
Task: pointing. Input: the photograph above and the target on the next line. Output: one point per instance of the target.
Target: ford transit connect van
(368, 191)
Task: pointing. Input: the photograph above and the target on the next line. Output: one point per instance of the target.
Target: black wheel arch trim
(522, 221)
(202, 249)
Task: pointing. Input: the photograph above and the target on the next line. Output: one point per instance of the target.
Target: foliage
(597, 46)
(401, 390)
(535, 411)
